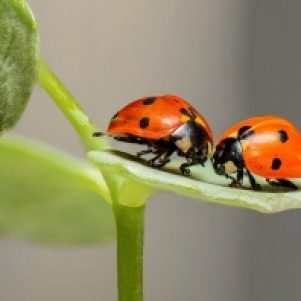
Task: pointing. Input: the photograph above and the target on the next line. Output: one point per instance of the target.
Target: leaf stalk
(69, 106)
(130, 233)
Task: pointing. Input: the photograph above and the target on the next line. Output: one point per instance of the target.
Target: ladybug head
(192, 140)
(227, 157)
(201, 147)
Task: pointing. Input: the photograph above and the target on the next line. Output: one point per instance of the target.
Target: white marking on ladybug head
(184, 144)
(230, 167)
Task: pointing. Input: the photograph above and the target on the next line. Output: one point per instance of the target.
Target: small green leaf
(18, 59)
(50, 197)
(199, 184)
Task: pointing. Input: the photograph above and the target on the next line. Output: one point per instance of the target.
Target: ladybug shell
(252, 122)
(154, 118)
(274, 150)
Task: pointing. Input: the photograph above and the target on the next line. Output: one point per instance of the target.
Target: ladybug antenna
(98, 134)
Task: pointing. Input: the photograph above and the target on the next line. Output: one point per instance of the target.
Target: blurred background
(230, 59)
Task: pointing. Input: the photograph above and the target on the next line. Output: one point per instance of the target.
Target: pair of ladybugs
(267, 146)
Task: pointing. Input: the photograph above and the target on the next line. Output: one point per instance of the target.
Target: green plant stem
(69, 106)
(130, 229)
(129, 220)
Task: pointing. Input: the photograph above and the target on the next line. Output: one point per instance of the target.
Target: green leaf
(50, 197)
(201, 184)
(18, 59)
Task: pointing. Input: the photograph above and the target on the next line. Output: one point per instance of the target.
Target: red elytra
(162, 112)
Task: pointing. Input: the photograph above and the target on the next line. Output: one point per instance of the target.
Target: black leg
(162, 158)
(161, 149)
(144, 152)
(239, 177)
(184, 168)
(254, 185)
(156, 161)
(230, 177)
(130, 139)
(282, 183)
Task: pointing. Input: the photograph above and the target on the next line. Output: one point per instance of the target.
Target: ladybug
(266, 146)
(165, 124)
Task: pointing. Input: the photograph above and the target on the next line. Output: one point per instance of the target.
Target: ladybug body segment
(165, 124)
(266, 146)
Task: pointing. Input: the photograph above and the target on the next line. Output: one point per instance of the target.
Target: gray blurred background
(231, 59)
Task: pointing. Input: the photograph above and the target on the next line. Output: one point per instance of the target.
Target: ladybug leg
(254, 185)
(184, 167)
(282, 183)
(130, 139)
(239, 177)
(190, 162)
(230, 177)
(159, 160)
(156, 161)
(144, 152)
(287, 184)
(162, 157)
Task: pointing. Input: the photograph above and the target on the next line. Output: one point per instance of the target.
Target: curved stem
(130, 230)
(69, 106)
(129, 220)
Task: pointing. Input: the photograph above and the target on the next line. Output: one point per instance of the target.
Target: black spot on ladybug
(184, 112)
(283, 136)
(276, 163)
(189, 113)
(149, 100)
(192, 113)
(243, 129)
(244, 132)
(144, 122)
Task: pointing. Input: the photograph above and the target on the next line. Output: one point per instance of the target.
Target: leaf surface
(19, 50)
(50, 197)
(202, 184)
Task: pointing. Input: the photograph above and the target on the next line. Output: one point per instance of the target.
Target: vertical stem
(130, 230)
(69, 106)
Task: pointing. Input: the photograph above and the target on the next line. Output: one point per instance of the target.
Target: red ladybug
(268, 146)
(165, 124)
